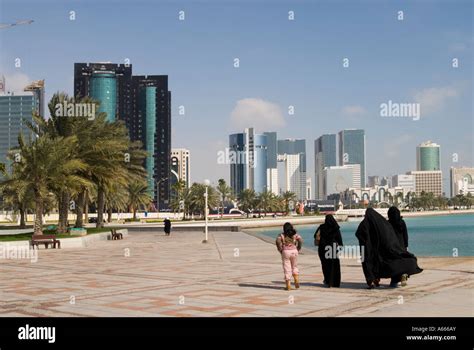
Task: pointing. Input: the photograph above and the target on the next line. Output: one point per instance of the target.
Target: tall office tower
(181, 166)
(461, 181)
(295, 178)
(108, 83)
(428, 181)
(144, 104)
(248, 168)
(352, 150)
(427, 156)
(324, 156)
(238, 161)
(14, 109)
(152, 125)
(272, 165)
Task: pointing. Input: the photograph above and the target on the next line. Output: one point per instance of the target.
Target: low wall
(76, 242)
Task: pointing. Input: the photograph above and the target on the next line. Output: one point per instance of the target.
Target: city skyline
(219, 98)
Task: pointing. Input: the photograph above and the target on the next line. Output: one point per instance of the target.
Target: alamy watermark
(230, 156)
(69, 109)
(403, 110)
(15, 252)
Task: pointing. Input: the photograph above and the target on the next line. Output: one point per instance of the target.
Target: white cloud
(15, 82)
(435, 98)
(353, 111)
(257, 113)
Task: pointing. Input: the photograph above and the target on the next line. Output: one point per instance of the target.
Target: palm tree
(178, 189)
(138, 196)
(225, 193)
(266, 201)
(198, 198)
(287, 197)
(16, 193)
(44, 163)
(247, 199)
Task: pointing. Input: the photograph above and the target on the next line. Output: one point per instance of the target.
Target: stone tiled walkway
(148, 274)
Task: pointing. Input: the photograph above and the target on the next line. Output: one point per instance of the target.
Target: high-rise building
(144, 104)
(295, 178)
(462, 181)
(407, 182)
(336, 179)
(108, 83)
(238, 162)
(427, 156)
(356, 177)
(181, 166)
(324, 156)
(14, 109)
(352, 150)
(428, 182)
(272, 165)
(248, 169)
(373, 181)
(152, 125)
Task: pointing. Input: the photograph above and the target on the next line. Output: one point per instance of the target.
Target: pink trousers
(289, 259)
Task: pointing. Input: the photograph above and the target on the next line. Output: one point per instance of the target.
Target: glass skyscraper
(14, 109)
(352, 150)
(248, 161)
(427, 156)
(324, 156)
(144, 104)
(109, 84)
(152, 126)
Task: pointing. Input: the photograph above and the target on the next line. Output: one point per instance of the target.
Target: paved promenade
(235, 274)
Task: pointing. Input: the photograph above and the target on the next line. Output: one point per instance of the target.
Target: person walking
(167, 226)
(329, 240)
(289, 243)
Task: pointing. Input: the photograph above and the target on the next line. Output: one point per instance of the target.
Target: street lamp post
(206, 194)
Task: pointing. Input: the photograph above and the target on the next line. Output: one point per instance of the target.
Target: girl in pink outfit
(288, 244)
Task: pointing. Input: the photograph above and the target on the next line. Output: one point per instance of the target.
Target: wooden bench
(46, 240)
(115, 234)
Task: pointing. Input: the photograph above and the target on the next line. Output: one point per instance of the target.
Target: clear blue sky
(282, 62)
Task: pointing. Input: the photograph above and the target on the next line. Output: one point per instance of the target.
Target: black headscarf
(395, 218)
(329, 231)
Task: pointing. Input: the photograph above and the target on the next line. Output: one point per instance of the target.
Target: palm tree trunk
(22, 216)
(100, 207)
(63, 212)
(38, 225)
(86, 206)
(80, 209)
(134, 213)
(109, 215)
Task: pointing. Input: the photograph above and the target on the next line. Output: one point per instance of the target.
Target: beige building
(462, 181)
(181, 165)
(428, 181)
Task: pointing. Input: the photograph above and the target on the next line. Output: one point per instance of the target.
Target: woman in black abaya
(330, 240)
(384, 256)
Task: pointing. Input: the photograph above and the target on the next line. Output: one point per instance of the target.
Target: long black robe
(383, 256)
(330, 236)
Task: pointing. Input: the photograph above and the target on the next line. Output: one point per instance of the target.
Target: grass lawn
(27, 236)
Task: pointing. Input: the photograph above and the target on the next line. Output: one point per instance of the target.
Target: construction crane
(17, 23)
